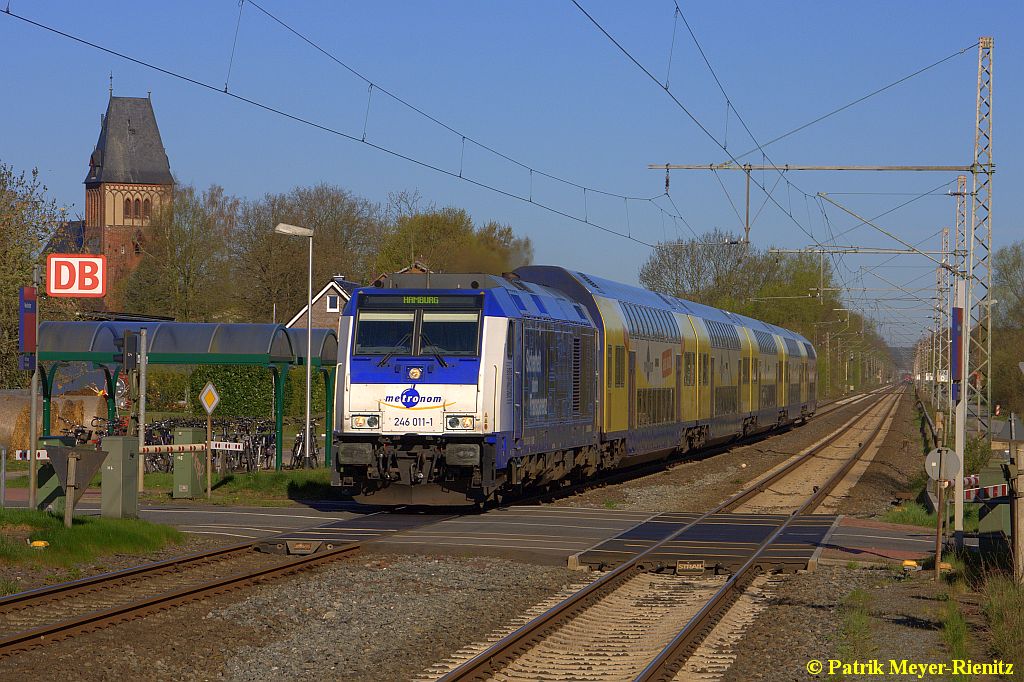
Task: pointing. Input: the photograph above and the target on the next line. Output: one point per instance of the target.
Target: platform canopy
(170, 343)
(190, 343)
(324, 346)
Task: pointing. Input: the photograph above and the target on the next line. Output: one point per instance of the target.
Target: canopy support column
(280, 373)
(47, 398)
(111, 399)
(329, 416)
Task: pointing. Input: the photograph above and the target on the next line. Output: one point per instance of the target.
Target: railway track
(633, 623)
(36, 617)
(641, 470)
(29, 619)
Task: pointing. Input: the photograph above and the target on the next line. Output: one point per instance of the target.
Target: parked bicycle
(303, 457)
(79, 432)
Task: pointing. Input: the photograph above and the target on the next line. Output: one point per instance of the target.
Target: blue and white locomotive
(456, 388)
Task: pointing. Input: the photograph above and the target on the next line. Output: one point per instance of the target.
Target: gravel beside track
(612, 639)
(372, 617)
(898, 467)
(803, 620)
(696, 485)
(785, 494)
(381, 617)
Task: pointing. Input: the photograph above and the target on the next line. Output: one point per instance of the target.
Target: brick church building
(128, 183)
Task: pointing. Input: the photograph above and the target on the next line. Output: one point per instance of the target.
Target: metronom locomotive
(456, 388)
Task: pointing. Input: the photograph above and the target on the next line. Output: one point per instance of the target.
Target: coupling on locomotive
(456, 388)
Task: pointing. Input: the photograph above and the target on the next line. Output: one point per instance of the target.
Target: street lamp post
(296, 231)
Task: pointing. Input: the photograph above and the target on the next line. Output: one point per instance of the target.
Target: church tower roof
(129, 149)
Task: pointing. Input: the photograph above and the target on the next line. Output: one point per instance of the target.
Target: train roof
(555, 276)
(505, 297)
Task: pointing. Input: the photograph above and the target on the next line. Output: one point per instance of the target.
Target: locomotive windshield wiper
(391, 353)
(424, 339)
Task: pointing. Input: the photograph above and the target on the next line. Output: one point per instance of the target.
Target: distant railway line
(638, 621)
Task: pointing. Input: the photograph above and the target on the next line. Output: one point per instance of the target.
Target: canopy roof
(186, 343)
(324, 346)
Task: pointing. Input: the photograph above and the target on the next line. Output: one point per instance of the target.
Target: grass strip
(257, 488)
(1003, 604)
(856, 643)
(954, 632)
(263, 488)
(915, 514)
(88, 538)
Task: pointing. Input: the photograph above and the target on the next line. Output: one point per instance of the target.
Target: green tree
(28, 218)
(1008, 328)
(446, 240)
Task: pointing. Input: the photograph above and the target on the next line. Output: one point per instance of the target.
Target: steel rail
(88, 584)
(636, 471)
(488, 661)
(665, 666)
(761, 485)
(44, 634)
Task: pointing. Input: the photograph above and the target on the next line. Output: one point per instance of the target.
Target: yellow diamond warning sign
(209, 398)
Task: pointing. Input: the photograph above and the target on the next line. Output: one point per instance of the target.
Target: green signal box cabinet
(189, 466)
(993, 519)
(120, 473)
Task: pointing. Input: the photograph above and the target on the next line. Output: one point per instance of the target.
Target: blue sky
(539, 83)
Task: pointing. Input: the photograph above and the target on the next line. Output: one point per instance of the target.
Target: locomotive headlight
(365, 421)
(460, 422)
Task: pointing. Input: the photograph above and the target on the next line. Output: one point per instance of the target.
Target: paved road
(547, 534)
(218, 520)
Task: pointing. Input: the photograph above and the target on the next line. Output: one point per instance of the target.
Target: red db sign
(75, 276)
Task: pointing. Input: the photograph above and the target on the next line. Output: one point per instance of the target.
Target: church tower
(129, 182)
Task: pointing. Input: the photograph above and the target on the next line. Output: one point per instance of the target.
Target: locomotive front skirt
(459, 388)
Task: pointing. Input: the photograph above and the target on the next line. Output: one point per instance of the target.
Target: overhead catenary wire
(464, 137)
(450, 128)
(328, 129)
(761, 147)
(234, 44)
(629, 55)
(769, 195)
(857, 101)
(916, 197)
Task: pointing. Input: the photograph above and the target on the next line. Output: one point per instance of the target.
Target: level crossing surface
(575, 536)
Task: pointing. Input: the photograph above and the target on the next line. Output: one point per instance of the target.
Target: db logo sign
(76, 276)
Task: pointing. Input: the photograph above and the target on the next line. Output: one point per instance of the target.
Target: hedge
(167, 389)
(247, 391)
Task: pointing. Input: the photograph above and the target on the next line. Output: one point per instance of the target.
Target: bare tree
(271, 269)
(184, 270)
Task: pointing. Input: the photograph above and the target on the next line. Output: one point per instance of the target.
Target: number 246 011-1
(414, 421)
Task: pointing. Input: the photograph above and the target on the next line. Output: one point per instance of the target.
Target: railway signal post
(210, 399)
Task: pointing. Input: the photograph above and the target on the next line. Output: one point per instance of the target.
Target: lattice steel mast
(979, 250)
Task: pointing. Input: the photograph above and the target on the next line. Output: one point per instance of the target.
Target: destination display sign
(390, 301)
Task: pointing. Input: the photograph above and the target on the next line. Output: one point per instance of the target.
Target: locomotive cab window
(380, 332)
(449, 333)
(418, 325)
